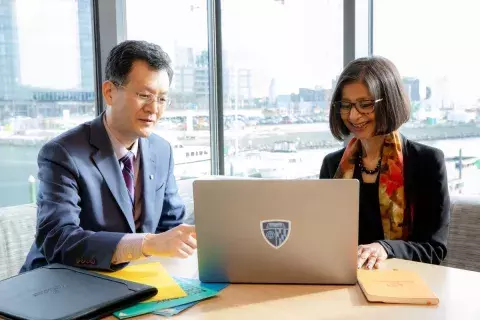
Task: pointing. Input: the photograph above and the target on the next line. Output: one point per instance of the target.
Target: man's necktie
(128, 175)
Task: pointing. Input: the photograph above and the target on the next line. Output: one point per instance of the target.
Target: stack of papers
(196, 291)
(174, 294)
(153, 274)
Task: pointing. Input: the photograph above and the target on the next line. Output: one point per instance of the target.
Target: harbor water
(17, 163)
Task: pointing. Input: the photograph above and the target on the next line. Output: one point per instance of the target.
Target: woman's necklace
(365, 170)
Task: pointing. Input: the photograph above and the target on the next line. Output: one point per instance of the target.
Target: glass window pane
(46, 84)
(180, 28)
(281, 60)
(437, 53)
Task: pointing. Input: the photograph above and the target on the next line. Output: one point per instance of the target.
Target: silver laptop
(277, 231)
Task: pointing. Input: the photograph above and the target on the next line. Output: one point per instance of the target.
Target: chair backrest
(464, 237)
(17, 233)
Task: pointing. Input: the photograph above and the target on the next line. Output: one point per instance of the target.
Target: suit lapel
(147, 161)
(107, 163)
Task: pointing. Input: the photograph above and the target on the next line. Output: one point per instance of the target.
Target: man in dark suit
(107, 191)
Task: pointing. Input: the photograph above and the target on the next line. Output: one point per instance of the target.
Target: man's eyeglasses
(362, 106)
(148, 98)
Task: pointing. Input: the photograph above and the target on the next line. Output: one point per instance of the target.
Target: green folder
(194, 293)
(170, 312)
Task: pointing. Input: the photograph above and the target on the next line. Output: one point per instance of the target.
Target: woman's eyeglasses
(362, 106)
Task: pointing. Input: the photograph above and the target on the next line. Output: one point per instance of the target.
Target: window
(40, 56)
(280, 60)
(180, 28)
(437, 54)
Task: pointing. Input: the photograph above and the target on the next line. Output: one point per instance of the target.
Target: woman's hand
(371, 256)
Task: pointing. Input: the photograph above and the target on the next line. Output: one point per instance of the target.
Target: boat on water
(282, 161)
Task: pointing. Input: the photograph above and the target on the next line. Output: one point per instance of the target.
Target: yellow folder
(153, 274)
(395, 286)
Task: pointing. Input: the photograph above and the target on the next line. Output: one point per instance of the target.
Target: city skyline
(288, 51)
(298, 54)
(435, 41)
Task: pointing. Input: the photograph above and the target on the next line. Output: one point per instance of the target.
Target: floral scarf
(395, 217)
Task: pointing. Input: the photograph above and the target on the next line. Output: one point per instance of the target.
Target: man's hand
(178, 242)
(371, 256)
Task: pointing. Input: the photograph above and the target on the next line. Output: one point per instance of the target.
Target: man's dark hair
(122, 56)
(383, 81)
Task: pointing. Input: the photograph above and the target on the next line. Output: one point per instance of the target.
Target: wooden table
(458, 291)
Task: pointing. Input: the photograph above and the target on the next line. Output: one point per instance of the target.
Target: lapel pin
(151, 177)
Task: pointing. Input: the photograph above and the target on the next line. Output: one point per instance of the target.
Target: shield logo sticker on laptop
(275, 232)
